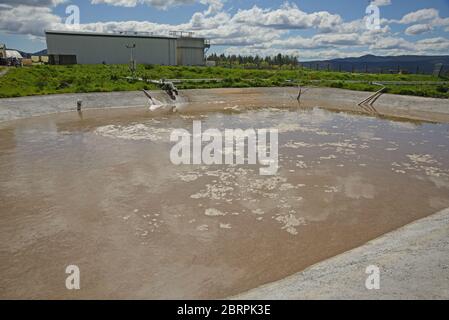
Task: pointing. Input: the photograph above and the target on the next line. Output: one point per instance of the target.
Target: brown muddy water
(98, 190)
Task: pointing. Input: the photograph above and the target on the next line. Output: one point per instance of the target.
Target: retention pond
(98, 190)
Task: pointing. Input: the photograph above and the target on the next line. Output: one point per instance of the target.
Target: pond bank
(415, 108)
(413, 263)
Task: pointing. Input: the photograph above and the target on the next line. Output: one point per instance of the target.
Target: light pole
(132, 66)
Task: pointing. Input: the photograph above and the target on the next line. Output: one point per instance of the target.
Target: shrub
(405, 91)
(41, 84)
(442, 89)
(63, 84)
(338, 84)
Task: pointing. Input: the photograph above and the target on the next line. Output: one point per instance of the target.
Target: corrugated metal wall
(190, 51)
(111, 49)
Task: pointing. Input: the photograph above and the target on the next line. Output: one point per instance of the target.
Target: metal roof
(104, 34)
(134, 34)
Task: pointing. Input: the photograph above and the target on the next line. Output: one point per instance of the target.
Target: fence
(406, 68)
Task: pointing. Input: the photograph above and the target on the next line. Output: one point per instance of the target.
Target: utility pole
(132, 66)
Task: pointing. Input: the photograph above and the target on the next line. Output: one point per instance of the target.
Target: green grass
(45, 79)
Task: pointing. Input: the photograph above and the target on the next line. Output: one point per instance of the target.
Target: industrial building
(10, 57)
(2, 51)
(179, 48)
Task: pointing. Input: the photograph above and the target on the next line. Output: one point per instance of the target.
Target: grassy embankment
(43, 79)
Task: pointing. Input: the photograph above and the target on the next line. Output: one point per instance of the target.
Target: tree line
(278, 60)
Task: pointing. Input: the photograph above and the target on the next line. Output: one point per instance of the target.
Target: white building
(13, 54)
(2, 51)
(65, 47)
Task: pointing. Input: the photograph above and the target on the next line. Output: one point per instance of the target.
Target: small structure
(2, 51)
(10, 57)
(27, 62)
(39, 59)
(13, 54)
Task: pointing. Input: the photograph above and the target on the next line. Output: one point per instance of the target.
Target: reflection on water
(99, 191)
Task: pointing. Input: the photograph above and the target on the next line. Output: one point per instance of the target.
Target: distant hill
(40, 53)
(28, 55)
(385, 64)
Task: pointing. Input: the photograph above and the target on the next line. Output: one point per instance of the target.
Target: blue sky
(310, 29)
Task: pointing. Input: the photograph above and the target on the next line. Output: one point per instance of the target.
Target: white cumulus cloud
(418, 29)
(288, 16)
(381, 3)
(22, 19)
(420, 15)
(34, 3)
(256, 30)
